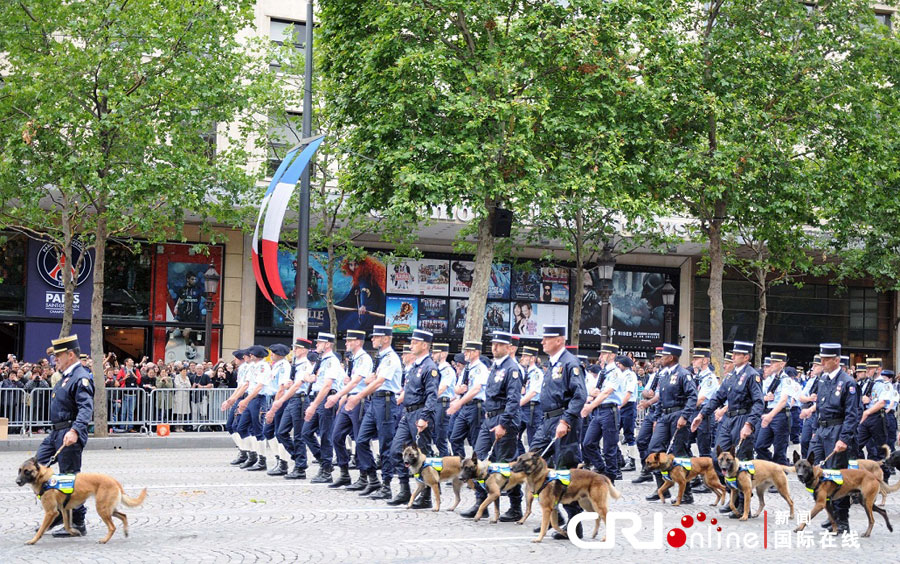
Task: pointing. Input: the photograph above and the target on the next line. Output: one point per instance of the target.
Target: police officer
(346, 423)
(562, 398)
(469, 404)
(891, 417)
(281, 381)
(649, 402)
(532, 414)
(677, 403)
(775, 423)
(319, 416)
(708, 386)
(446, 386)
(229, 406)
(837, 407)
(500, 428)
(420, 405)
(605, 421)
(249, 426)
(71, 411)
(807, 399)
(627, 413)
(742, 389)
(380, 395)
(293, 403)
(876, 399)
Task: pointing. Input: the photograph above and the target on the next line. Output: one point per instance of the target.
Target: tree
(107, 113)
(452, 103)
(747, 89)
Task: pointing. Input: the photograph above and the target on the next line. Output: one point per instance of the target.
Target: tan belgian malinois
(756, 474)
(429, 472)
(678, 474)
(589, 489)
(495, 478)
(107, 493)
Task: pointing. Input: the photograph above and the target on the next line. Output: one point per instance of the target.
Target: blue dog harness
(683, 462)
(436, 463)
(64, 483)
(743, 466)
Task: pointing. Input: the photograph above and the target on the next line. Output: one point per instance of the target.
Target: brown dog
(764, 474)
(677, 474)
(589, 489)
(874, 466)
(495, 478)
(824, 487)
(107, 493)
(429, 472)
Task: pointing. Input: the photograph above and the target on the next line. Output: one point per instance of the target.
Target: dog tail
(134, 502)
(617, 495)
(887, 452)
(886, 489)
(789, 469)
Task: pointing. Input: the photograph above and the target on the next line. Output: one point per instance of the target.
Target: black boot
(655, 495)
(629, 466)
(644, 476)
(62, 533)
(56, 523)
(739, 505)
(250, 462)
(260, 464)
(572, 509)
(402, 496)
(384, 492)
(688, 497)
(514, 513)
(324, 475)
(470, 512)
(842, 515)
(280, 469)
(560, 519)
(830, 511)
(240, 459)
(372, 485)
(343, 479)
(424, 500)
(296, 474)
(359, 484)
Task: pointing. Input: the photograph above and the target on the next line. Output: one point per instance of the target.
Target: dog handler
(71, 411)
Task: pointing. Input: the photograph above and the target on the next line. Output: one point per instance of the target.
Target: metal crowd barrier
(181, 408)
(39, 410)
(126, 410)
(14, 406)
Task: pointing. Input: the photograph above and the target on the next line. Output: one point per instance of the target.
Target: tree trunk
(577, 299)
(329, 294)
(101, 417)
(716, 271)
(484, 256)
(763, 290)
(65, 328)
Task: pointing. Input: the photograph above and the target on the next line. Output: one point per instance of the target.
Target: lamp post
(605, 267)
(668, 298)
(211, 287)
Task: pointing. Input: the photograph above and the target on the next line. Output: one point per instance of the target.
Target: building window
(884, 18)
(284, 133)
(209, 138)
(127, 279)
(283, 32)
(12, 273)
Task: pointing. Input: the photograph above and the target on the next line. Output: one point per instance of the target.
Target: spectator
(182, 407)
(129, 395)
(11, 402)
(113, 396)
(164, 395)
(200, 399)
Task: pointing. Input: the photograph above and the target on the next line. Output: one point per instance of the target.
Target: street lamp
(211, 286)
(605, 267)
(668, 298)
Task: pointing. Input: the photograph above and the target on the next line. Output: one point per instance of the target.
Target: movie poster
(359, 292)
(499, 285)
(528, 318)
(433, 277)
(402, 313)
(496, 317)
(526, 285)
(461, 274)
(554, 284)
(401, 277)
(458, 310)
(434, 315)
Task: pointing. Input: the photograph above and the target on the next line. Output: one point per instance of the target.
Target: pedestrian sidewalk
(129, 441)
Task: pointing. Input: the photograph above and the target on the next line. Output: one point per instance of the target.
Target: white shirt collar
(70, 369)
(555, 358)
(831, 375)
(499, 361)
(422, 358)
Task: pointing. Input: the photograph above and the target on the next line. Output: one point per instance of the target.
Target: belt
(608, 406)
(785, 410)
(383, 394)
(534, 403)
(415, 406)
(62, 425)
(445, 401)
(670, 410)
(494, 413)
(554, 413)
(478, 402)
(736, 412)
(831, 422)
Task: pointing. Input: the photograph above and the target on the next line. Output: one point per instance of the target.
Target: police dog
(765, 474)
(494, 483)
(428, 476)
(700, 466)
(589, 489)
(861, 481)
(107, 493)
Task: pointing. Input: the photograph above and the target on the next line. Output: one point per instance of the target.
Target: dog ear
(474, 456)
(812, 458)
(731, 450)
(718, 450)
(796, 456)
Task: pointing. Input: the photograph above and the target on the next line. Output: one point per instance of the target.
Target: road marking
(193, 486)
(469, 539)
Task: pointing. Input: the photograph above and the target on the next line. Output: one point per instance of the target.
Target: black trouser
(69, 463)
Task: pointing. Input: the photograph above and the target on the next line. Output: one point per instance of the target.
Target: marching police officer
(417, 423)
(71, 411)
(562, 398)
(293, 403)
(446, 386)
(249, 426)
(709, 385)
(347, 420)
(876, 401)
(532, 414)
(650, 404)
(628, 412)
(277, 386)
(605, 421)
(319, 416)
(775, 422)
(231, 417)
(808, 398)
(677, 403)
(742, 389)
(500, 428)
(469, 404)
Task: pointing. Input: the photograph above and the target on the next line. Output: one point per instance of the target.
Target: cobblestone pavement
(201, 509)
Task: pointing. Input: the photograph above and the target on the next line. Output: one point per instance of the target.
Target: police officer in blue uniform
(470, 404)
(775, 423)
(837, 406)
(319, 416)
(446, 387)
(605, 421)
(295, 402)
(71, 412)
(807, 399)
(231, 412)
(562, 398)
(708, 385)
(346, 422)
(677, 404)
(649, 402)
(532, 414)
(891, 417)
(742, 389)
(420, 405)
(497, 436)
(876, 399)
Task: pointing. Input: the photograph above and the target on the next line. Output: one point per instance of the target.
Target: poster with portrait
(499, 284)
(402, 313)
(434, 315)
(178, 284)
(401, 277)
(528, 318)
(359, 292)
(526, 284)
(461, 274)
(434, 277)
(496, 317)
(554, 284)
(458, 310)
